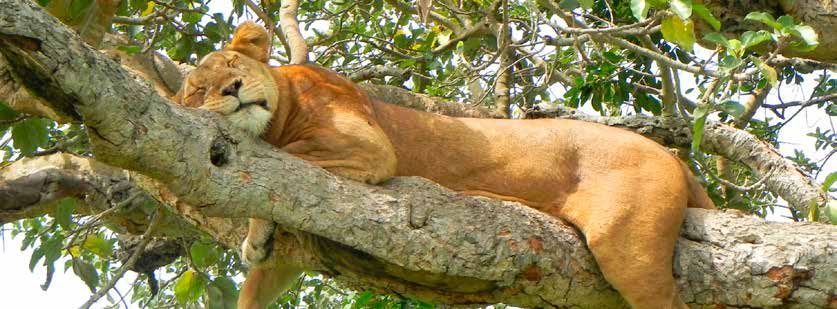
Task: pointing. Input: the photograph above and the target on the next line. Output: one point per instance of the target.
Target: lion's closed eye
(199, 92)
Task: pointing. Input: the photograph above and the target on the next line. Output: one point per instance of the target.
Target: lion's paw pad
(254, 254)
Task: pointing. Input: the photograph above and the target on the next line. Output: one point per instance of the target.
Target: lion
(624, 192)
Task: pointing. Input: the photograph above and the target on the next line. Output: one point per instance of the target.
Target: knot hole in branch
(219, 152)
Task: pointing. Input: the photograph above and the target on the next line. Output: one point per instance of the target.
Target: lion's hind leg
(264, 284)
(632, 238)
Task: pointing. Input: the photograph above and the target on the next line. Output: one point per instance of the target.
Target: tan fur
(627, 194)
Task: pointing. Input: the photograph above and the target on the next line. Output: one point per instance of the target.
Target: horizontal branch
(379, 71)
(32, 187)
(821, 99)
(408, 236)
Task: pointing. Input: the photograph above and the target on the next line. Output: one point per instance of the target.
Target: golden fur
(624, 192)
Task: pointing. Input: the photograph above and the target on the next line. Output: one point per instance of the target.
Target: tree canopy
(705, 79)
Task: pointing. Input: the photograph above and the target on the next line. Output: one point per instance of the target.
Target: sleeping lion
(625, 193)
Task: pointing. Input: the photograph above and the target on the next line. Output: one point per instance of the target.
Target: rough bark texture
(408, 236)
(33, 187)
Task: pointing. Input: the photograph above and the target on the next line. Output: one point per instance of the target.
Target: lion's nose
(232, 88)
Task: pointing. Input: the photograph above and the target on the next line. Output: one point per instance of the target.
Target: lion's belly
(541, 176)
(544, 189)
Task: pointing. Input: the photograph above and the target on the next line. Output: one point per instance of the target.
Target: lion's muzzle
(260, 103)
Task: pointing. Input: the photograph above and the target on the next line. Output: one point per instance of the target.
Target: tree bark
(408, 236)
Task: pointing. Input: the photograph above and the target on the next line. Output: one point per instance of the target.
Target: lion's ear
(251, 40)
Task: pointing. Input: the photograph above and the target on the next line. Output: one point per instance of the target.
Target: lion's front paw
(259, 242)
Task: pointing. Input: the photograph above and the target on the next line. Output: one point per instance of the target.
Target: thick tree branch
(290, 28)
(379, 71)
(408, 236)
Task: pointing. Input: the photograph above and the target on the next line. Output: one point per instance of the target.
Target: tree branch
(408, 236)
(818, 100)
(290, 27)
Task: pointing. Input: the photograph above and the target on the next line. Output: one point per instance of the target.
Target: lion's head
(236, 81)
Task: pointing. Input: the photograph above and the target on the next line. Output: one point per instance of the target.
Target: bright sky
(22, 287)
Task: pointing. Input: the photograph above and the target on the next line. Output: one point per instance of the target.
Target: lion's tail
(697, 196)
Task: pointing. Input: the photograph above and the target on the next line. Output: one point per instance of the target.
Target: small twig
(121, 297)
(13, 121)
(818, 100)
(152, 18)
(164, 286)
(59, 146)
(739, 188)
(476, 30)
(146, 237)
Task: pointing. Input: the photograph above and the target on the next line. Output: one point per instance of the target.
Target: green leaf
(569, 5)
(717, 38)
(679, 31)
(222, 293)
(813, 212)
(214, 297)
(700, 121)
(731, 107)
(192, 17)
(829, 180)
(87, 273)
(767, 71)
(138, 4)
(30, 134)
(43, 2)
(78, 7)
(639, 8)
(764, 18)
(752, 38)
(703, 12)
(809, 38)
(586, 4)
(831, 211)
(729, 63)
(52, 248)
(471, 44)
(6, 112)
(785, 21)
(682, 8)
(37, 255)
(130, 49)
(64, 212)
(98, 246)
(203, 255)
(362, 299)
(189, 287)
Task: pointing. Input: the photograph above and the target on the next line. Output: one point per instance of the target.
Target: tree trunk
(407, 236)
